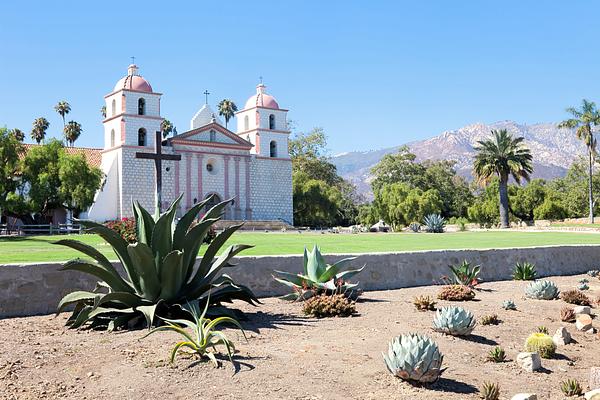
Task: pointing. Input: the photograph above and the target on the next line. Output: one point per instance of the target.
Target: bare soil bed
(289, 356)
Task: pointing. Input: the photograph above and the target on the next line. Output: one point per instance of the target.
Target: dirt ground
(289, 356)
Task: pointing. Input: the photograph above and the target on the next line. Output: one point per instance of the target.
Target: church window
(112, 138)
(246, 123)
(273, 148)
(114, 108)
(209, 167)
(141, 137)
(141, 106)
(213, 136)
(271, 121)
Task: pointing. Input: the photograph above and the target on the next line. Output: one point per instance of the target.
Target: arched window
(141, 106)
(271, 121)
(114, 108)
(112, 138)
(273, 148)
(246, 123)
(141, 137)
(213, 136)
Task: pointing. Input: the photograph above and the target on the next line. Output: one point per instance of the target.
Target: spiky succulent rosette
(455, 321)
(414, 357)
(542, 290)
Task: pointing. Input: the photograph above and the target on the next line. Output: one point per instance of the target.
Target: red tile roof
(92, 156)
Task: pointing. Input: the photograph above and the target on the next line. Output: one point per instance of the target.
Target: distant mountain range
(553, 151)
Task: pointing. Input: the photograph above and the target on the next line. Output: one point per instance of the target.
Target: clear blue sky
(373, 74)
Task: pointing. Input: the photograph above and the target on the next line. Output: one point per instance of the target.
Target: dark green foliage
(465, 274)
(159, 270)
(571, 387)
(324, 305)
(524, 272)
(497, 355)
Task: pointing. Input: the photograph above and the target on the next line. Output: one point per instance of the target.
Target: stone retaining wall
(36, 288)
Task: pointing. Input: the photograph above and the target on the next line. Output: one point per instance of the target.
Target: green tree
(72, 131)
(503, 156)
(18, 134)
(62, 108)
(10, 149)
(227, 109)
(315, 202)
(38, 131)
(166, 127)
(398, 204)
(400, 167)
(582, 121)
(453, 189)
(525, 199)
(485, 207)
(79, 182)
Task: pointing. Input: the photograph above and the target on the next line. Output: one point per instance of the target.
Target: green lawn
(39, 248)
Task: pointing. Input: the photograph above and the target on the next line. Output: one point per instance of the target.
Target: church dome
(261, 99)
(133, 81)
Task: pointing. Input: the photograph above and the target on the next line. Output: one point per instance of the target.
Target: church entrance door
(213, 202)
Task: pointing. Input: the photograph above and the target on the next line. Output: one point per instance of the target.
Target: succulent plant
(542, 329)
(490, 391)
(497, 354)
(576, 297)
(424, 303)
(434, 223)
(490, 319)
(414, 357)
(584, 280)
(541, 343)
(583, 286)
(524, 272)
(456, 293)
(571, 387)
(159, 269)
(567, 314)
(509, 305)
(542, 290)
(325, 305)
(203, 337)
(415, 227)
(319, 277)
(593, 273)
(455, 321)
(465, 274)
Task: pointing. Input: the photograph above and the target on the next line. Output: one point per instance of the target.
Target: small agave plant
(542, 290)
(583, 286)
(319, 277)
(455, 321)
(414, 357)
(434, 223)
(593, 273)
(509, 305)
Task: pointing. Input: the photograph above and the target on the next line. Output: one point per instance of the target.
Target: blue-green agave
(542, 290)
(319, 277)
(509, 305)
(159, 274)
(434, 223)
(414, 357)
(455, 321)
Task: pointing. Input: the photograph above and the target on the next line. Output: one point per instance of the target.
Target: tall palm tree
(72, 131)
(18, 134)
(166, 127)
(583, 119)
(63, 108)
(227, 109)
(38, 131)
(103, 111)
(503, 156)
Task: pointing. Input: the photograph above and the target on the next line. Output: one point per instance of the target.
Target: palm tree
(72, 131)
(63, 108)
(503, 155)
(166, 127)
(227, 109)
(583, 119)
(18, 134)
(38, 131)
(103, 111)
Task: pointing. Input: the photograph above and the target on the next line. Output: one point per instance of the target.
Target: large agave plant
(542, 290)
(455, 321)
(319, 277)
(159, 273)
(434, 223)
(414, 357)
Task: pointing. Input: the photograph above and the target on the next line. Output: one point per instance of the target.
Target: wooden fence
(42, 229)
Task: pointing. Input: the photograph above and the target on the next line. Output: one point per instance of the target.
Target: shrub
(490, 391)
(465, 274)
(414, 357)
(204, 337)
(491, 319)
(540, 343)
(524, 272)
(415, 227)
(434, 223)
(576, 297)
(567, 314)
(455, 321)
(456, 293)
(571, 387)
(424, 303)
(497, 355)
(542, 290)
(160, 272)
(319, 277)
(509, 305)
(125, 227)
(325, 305)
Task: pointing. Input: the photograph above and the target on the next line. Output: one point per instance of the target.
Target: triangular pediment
(213, 134)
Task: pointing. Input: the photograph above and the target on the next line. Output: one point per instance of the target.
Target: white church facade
(252, 165)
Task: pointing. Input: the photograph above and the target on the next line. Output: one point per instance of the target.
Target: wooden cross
(158, 157)
(206, 93)
(133, 60)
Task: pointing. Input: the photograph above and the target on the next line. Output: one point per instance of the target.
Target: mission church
(252, 165)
